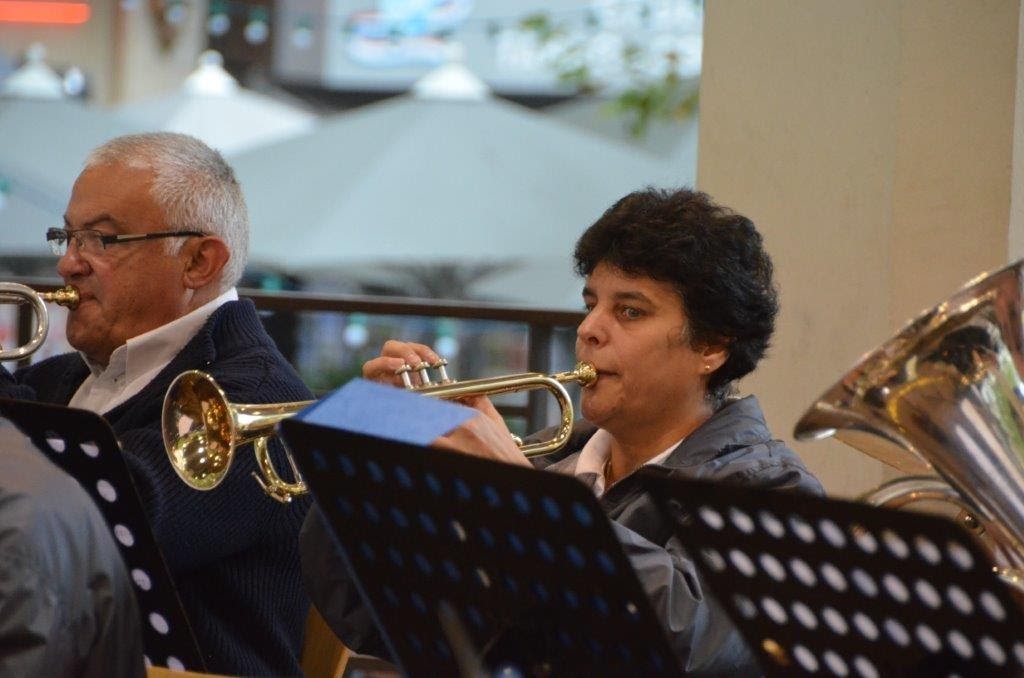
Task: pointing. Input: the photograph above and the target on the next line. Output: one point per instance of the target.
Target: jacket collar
(219, 333)
(737, 424)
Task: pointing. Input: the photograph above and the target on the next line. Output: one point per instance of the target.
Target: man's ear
(206, 258)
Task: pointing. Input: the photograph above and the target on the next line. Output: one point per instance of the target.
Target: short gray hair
(193, 185)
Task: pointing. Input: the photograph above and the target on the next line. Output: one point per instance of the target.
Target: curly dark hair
(715, 259)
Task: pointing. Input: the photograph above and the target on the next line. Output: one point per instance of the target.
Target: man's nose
(72, 263)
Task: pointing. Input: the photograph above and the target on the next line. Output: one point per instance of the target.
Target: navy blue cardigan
(233, 551)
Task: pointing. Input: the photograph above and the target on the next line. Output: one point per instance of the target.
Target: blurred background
(422, 168)
(435, 149)
(448, 148)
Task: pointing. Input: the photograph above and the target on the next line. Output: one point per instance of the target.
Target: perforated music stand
(835, 587)
(526, 560)
(83, 444)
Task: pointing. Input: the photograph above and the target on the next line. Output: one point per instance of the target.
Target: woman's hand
(485, 435)
(394, 355)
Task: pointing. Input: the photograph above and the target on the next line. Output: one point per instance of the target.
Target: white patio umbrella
(211, 106)
(44, 146)
(424, 178)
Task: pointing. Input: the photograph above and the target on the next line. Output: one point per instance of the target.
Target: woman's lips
(601, 371)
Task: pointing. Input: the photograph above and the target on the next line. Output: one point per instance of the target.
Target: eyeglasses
(90, 241)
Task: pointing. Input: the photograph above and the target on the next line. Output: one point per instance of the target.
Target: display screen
(515, 46)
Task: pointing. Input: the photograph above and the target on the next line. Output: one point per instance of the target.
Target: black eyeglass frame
(105, 239)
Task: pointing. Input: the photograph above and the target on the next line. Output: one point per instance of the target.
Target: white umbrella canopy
(211, 106)
(672, 141)
(23, 225)
(230, 124)
(424, 180)
(44, 145)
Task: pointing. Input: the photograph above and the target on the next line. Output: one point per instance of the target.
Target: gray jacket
(66, 604)
(734, 445)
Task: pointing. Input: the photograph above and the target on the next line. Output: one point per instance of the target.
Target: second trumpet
(15, 293)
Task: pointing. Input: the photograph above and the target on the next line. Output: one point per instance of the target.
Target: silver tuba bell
(945, 396)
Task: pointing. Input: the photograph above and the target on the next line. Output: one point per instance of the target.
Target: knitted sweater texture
(233, 550)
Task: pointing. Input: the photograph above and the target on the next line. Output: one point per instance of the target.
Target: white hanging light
(210, 78)
(451, 81)
(34, 79)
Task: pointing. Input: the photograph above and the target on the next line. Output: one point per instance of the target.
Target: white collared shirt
(595, 455)
(135, 363)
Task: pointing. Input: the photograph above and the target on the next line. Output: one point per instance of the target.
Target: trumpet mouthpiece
(66, 296)
(586, 374)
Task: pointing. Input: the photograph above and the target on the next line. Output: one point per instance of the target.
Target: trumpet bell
(945, 395)
(202, 429)
(198, 430)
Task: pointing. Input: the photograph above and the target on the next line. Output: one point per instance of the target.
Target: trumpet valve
(423, 370)
(441, 371)
(403, 373)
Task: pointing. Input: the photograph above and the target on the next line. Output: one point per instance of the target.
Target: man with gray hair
(154, 239)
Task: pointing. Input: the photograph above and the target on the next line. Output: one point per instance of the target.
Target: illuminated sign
(32, 12)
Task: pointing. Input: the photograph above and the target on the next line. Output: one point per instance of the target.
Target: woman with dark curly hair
(680, 304)
(713, 261)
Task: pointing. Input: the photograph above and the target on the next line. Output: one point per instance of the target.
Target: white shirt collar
(135, 363)
(594, 457)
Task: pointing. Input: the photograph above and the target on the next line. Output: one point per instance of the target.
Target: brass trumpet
(447, 389)
(14, 293)
(202, 429)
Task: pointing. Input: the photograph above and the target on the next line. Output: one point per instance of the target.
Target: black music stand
(83, 444)
(841, 588)
(471, 563)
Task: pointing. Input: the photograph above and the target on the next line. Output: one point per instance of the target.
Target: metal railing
(541, 324)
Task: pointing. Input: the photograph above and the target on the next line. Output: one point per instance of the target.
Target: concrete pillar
(872, 144)
(1017, 191)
